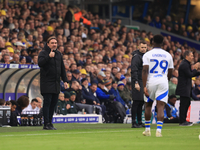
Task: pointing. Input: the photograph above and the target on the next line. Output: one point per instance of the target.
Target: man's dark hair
(34, 56)
(143, 42)
(23, 101)
(172, 96)
(5, 55)
(74, 82)
(93, 84)
(187, 53)
(114, 68)
(50, 38)
(34, 100)
(8, 103)
(2, 102)
(158, 39)
(72, 65)
(13, 102)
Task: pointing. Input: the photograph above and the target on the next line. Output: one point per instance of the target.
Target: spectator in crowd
(66, 96)
(196, 89)
(114, 91)
(39, 103)
(2, 102)
(172, 85)
(31, 108)
(170, 113)
(13, 117)
(8, 103)
(80, 101)
(69, 16)
(76, 75)
(90, 98)
(61, 105)
(71, 106)
(87, 94)
(108, 100)
(22, 103)
(127, 95)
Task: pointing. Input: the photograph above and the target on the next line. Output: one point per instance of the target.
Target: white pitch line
(43, 134)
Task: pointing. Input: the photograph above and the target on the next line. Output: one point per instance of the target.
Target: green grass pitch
(99, 137)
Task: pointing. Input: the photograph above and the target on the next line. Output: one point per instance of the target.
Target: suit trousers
(184, 105)
(137, 110)
(49, 104)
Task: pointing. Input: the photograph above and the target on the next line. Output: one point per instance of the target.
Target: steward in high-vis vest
(79, 17)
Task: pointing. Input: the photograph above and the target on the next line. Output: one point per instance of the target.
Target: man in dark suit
(184, 85)
(51, 69)
(90, 98)
(137, 85)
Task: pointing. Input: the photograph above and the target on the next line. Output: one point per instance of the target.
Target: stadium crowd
(190, 30)
(172, 22)
(97, 54)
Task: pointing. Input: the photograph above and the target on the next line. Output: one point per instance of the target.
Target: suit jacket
(89, 96)
(136, 75)
(184, 86)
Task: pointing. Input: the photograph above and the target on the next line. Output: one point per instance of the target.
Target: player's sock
(159, 126)
(147, 125)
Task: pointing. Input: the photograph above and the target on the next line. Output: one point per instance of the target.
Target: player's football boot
(147, 133)
(158, 134)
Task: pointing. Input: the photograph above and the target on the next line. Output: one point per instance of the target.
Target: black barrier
(17, 80)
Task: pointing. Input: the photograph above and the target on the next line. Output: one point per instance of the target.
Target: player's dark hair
(13, 102)
(8, 103)
(187, 53)
(158, 39)
(34, 100)
(2, 101)
(23, 101)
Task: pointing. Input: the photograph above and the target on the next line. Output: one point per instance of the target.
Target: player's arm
(169, 73)
(170, 69)
(145, 71)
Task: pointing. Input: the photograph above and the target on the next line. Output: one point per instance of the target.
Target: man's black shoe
(186, 124)
(135, 125)
(51, 125)
(141, 125)
(47, 127)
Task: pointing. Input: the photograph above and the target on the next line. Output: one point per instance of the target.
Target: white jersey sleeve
(171, 63)
(145, 60)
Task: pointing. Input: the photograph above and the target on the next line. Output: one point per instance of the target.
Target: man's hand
(146, 92)
(83, 101)
(137, 86)
(196, 66)
(94, 102)
(98, 104)
(80, 87)
(51, 54)
(68, 106)
(65, 85)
